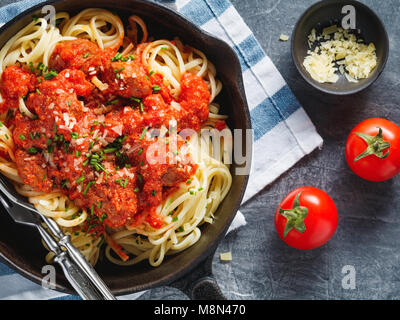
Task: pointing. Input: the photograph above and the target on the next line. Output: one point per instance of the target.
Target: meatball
(79, 54)
(31, 171)
(128, 79)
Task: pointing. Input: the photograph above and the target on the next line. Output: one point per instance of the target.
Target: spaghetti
(92, 134)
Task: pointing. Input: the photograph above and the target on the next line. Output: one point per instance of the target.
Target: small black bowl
(326, 13)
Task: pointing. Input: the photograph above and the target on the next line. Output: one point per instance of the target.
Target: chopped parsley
(33, 150)
(81, 178)
(118, 72)
(116, 145)
(63, 183)
(118, 57)
(74, 135)
(143, 133)
(88, 186)
(50, 75)
(136, 99)
(122, 182)
(95, 160)
(112, 102)
(141, 107)
(156, 88)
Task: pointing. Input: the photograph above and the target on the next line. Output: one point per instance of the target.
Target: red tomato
(306, 218)
(373, 149)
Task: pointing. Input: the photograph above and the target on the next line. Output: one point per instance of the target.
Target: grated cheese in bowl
(335, 50)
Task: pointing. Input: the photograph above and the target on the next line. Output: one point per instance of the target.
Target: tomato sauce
(15, 83)
(103, 148)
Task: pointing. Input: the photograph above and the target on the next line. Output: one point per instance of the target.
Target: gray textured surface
(367, 237)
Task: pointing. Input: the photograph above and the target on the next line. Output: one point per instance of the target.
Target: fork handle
(77, 257)
(72, 271)
(80, 260)
(79, 281)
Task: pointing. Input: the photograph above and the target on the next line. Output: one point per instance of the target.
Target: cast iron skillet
(190, 270)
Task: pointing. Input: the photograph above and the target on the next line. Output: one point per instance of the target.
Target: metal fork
(77, 270)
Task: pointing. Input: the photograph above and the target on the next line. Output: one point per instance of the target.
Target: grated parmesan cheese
(102, 86)
(117, 129)
(339, 50)
(284, 37)
(226, 256)
(100, 179)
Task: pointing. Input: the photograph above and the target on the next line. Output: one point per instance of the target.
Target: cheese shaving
(226, 256)
(102, 86)
(339, 50)
(284, 37)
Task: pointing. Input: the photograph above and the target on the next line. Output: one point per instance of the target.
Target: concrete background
(263, 267)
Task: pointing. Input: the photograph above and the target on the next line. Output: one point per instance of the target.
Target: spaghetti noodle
(81, 130)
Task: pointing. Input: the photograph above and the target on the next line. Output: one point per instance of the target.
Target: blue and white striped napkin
(283, 133)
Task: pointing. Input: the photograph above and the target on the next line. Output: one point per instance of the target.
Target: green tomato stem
(295, 217)
(376, 145)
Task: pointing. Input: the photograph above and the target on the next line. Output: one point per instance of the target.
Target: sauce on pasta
(99, 161)
(91, 133)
